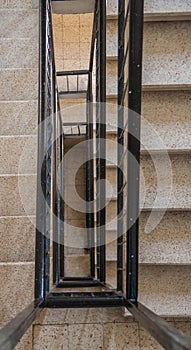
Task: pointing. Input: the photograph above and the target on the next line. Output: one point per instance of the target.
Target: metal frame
(50, 154)
(100, 137)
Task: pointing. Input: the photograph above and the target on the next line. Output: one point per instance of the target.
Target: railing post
(134, 123)
(120, 144)
(41, 166)
(101, 136)
(90, 178)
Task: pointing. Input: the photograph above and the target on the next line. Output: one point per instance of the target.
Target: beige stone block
(75, 238)
(155, 10)
(71, 20)
(58, 37)
(165, 289)
(17, 281)
(77, 265)
(84, 63)
(84, 51)
(112, 8)
(168, 7)
(18, 53)
(71, 51)
(19, 84)
(25, 342)
(86, 20)
(160, 72)
(18, 155)
(18, 118)
(71, 34)
(85, 337)
(19, 24)
(59, 64)
(148, 342)
(162, 37)
(168, 72)
(121, 336)
(51, 337)
(112, 38)
(18, 239)
(59, 52)
(169, 242)
(15, 194)
(72, 64)
(70, 316)
(85, 34)
(169, 117)
(57, 20)
(16, 4)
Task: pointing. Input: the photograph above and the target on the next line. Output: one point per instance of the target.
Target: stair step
(163, 289)
(73, 6)
(169, 179)
(160, 73)
(168, 243)
(159, 38)
(159, 10)
(77, 265)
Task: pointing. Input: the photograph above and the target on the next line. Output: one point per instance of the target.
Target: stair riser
(158, 10)
(159, 38)
(168, 243)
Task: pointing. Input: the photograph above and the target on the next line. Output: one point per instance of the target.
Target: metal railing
(50, 185)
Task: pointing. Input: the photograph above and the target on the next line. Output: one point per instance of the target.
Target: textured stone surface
(168, 243)
(19, 53)
(77, 265)
(16, 84)
(9, 4)
(167, 112)
(157, 10)
(51, 337)
(18, 287)
(159, 38)
(121, 336)
(18, 241)
(85, 337)
(18, 155)
(164, 289)
(18, 117)
(160, 72)
(14, 21)
(25, 342)
(17, 195)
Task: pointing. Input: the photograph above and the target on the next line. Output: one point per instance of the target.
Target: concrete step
(164, 182)
(164, 289)
(18, 118)
(159, 38)
(15, 194)
(93, 328)
(158, 10)
(164, 118)
(77, 265)
(161, 72)
(168, 243)
(18, 154)
(73, 6)
(18, 241)
(14, 20)
(17, 293)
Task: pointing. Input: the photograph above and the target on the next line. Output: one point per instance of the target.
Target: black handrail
(50, 186)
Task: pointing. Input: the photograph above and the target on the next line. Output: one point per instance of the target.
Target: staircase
(165, 252)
